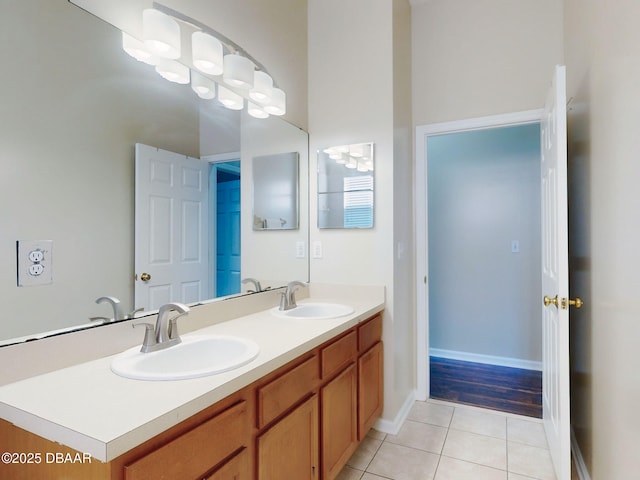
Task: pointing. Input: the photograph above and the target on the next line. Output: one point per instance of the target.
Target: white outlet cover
(34, 262)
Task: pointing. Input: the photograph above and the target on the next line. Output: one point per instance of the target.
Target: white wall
(474, 58)
(352, 80)
(484, 192)
(603, 69)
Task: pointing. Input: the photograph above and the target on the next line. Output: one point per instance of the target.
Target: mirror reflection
(275, 192)
(346, 186)
(73, 112)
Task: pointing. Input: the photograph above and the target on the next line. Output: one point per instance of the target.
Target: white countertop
(91, 409)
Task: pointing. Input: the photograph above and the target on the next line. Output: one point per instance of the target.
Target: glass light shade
(137, 49)
(203, 86)
(238, 71)
(262, 87)
(351, 163)
(161, 33)
(356, 151)
(278, 104)
(173, 71)
(256, 111)
(207, 53)
(230, 99)
(362, 167)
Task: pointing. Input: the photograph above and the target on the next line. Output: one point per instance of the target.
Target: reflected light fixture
(238, 71)
(137, 49)
(204, 87)
(161, 33)
(256, 110)
(207, 53)
(262, 87)
(173, 71)
(278, 104)
(230, 99)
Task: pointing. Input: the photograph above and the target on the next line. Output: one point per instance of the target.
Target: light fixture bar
(230, 44)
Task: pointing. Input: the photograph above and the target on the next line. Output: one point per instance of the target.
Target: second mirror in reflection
(346, 186)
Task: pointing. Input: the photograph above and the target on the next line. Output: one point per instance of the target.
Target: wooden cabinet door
(238, 468)
(289, 449)
(370, 394)
(339, 422)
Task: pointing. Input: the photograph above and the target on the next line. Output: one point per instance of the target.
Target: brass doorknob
(563, 303)
(578, 303)
(145, 277)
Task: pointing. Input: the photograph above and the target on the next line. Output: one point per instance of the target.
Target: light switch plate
(301, 250)
(317, 249)
(34, 262)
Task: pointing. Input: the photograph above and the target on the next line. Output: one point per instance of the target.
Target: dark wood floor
(507, 389)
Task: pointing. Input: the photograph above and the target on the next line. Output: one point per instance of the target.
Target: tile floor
(448, 441)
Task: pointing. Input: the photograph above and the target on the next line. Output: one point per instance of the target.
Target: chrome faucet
(288, 300)
(115, 305)
(117, 310)
(165, 334)
(256, 284)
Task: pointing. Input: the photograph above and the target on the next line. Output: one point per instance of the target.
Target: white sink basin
(314, 311)
(195, 356)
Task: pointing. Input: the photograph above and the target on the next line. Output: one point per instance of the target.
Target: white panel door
(555, 277)
(171, 212)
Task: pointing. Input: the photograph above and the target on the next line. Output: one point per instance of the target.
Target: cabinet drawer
(369, 333)
(283, 392)
(235, 469)
(339, 354)
(197, 451)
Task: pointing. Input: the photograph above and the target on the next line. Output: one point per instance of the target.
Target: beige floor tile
(371, 476)
(525, 431)
(364, 453)
(483, 423)
(434, 414)
(403, 463)
(376, 434)
(454, 469)
(530, 461)
(348, 473)
(420, 435)
(516, 476)
(475, 448)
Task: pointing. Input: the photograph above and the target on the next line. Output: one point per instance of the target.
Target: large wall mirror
(74, 108)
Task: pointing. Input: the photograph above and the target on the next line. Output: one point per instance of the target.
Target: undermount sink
(196, 356)
(314, 311)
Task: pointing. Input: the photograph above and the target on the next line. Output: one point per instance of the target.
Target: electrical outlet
(34, 262)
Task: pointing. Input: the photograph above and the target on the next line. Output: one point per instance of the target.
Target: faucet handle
(132, 314)
(149, 335)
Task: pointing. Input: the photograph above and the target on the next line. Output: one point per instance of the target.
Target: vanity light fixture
(243, 76)
(278, 103)
(230, 99)
(173, 71)
(207, 53)
(238, 71)
(161, 33)
(262, 87)
(204, 87)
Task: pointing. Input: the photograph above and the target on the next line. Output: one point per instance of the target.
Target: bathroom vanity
(299, 410)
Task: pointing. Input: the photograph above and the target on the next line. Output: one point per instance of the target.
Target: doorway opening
(478, 238)
(224, 222)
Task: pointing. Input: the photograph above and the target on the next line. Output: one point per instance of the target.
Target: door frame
(212, 160)
(423, 132)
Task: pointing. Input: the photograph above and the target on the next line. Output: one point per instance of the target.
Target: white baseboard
(393, 426)
(490, 359)
(581, 467)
